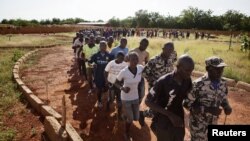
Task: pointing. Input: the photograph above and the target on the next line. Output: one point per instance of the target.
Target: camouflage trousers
(198, 125)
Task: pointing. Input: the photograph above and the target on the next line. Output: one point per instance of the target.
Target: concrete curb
(52, 125)
(54, 130)
(243, 85)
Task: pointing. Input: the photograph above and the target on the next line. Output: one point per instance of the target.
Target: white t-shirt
(131, 81)
(113, 70)
(77, 43)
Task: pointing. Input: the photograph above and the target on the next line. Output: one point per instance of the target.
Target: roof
(93, 23)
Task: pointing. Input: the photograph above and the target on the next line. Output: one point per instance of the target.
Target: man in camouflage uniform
(157, 67)
(160, 64)
(204, 101)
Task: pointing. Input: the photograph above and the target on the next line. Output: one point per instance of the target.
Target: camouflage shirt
(206, 95)
(157, 67)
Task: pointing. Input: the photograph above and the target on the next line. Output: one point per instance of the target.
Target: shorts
(131, 110)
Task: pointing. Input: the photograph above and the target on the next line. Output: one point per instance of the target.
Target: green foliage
(16, 55)
(245, 46)
(8, 92)
(7, 135)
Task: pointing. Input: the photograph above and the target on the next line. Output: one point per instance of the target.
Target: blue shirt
(101, 60)
(117, 49)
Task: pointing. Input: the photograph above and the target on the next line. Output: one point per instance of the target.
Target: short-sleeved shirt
(157, 67)
(79, 44)
(130, 80)
(118, 49)
(168, 94)
(143, 55)
(89, 51)
(113, 70)
(101, 60)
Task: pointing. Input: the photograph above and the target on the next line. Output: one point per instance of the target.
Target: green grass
(9, 94)
(199, 50)
(20, 40)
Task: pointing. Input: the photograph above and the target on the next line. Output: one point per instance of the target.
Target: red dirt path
(57, 68)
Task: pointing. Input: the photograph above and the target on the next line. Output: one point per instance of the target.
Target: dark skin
(123, 43)
(133, 61)
(215, 74)
(183, 71)
(143, 46)
(166, 52)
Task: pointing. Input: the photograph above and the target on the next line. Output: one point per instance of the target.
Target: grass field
(20, 40)
(9, 95)
(199, 50)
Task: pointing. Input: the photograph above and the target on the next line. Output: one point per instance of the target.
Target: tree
(55, 21)
(245, 46)
(142, 18)
(115, 22)
(4, 21)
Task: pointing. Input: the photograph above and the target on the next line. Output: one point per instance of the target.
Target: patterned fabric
(157, 67)
(205, 96)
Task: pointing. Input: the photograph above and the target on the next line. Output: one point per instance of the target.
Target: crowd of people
(117, 33)
(124, 73)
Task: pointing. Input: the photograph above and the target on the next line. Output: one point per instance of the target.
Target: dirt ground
(57, 70)
(25, 121)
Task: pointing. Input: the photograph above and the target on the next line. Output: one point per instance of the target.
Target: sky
(94, 10)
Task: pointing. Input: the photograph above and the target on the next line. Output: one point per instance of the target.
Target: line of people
(122, 73)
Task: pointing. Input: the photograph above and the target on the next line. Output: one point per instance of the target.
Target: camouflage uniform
(208, 98)
(157, 67)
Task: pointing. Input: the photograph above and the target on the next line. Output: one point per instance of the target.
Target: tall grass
(199, 50)
(34, 39)
(8, 92)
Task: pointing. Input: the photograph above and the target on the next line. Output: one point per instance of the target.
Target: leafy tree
(142, 18)
(245, 46)
(115, 22)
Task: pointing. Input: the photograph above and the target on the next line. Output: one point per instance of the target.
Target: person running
(100, 60)
(157, 67)
(143, 59)
(111, 71)
(131, 76)
(204, 101)
(165, 99)
(88, 50)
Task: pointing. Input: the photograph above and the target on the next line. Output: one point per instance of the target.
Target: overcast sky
(105, 9)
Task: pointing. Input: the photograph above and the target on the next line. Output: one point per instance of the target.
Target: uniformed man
(204, 101)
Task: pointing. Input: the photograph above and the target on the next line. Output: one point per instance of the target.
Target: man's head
(91, 39)
(120, 57)
(97, 39)
(143, 44)
(167, 49)
(123, 42)
(103, 46)
(185, 66)
(110, 39)
(215, 67)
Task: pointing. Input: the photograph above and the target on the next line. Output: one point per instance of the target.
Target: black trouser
(115, 93)
(170, 133)
(82, 68)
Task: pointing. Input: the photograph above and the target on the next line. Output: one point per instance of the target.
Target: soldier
(208, 94)
(157, 67)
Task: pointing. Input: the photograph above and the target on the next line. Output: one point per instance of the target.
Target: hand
(125, 89)
(227, 110)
